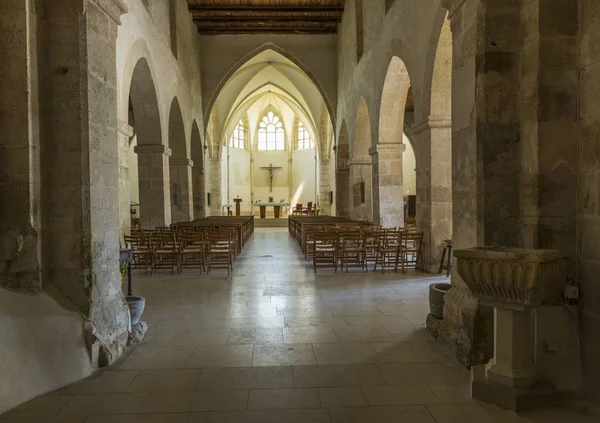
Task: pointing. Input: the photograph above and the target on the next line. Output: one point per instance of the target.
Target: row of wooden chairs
(176, 249)
(388, 249)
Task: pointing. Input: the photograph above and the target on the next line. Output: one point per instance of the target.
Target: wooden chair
(411, 250)
(220, 251)
(165, 251)
(325, 250)
(309, 208)
(352, 249)
(192, 250)
(298, 209)
(389, 250)
(371, 243)
(141, 257)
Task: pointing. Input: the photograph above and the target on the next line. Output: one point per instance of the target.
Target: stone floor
(277, 343)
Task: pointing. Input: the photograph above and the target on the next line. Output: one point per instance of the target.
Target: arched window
(304, 139)
(270, 133)
(238, 138)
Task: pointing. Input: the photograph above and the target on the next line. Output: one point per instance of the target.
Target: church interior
(294, 211)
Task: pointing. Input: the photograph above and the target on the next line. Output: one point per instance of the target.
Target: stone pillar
(20, 193)
(80, 161)
(433, 144)
(342, 192)
(155, 190)
(325, 185)
(181, 173)
(125, 132)
(388, 194)
(215, 168)
(361, 172)
(198, 191)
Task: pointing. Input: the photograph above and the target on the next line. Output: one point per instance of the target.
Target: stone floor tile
(400, 395)
(99, 404)
(196, 336)
(151, 357)
(275, 399)
(266, 416)
(141, 418)
(165, 380)
(255, 336)
(345, 353)
(409, 414)
(409, 333)
(377, 320)
(105, 382)
(283, 355)
(342, 397)
(45, 406)
(424, 373)
(406, 352)
(246, 378)
(337, 376)
(460, 413)
(452, 393)
(310, 334)
(182, 402)
(351, 310)
(221, 356)
(280, 291)
(363, 334)
(291, 322)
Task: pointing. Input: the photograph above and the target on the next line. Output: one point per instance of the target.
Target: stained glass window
(270, 133)
(238, 138)
(304, 139)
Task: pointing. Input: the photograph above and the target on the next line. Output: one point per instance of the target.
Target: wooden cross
(270, 168)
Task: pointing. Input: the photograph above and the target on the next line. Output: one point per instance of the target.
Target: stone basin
(512, 276)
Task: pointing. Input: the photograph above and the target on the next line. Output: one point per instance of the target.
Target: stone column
(325, 185)
(215, 168)
(433, 144)
(388, 194)
(342, 192)
(361, 172)
(81, 165)
(20, 193)
(181, 173)
(155, 190)
(198, 191)
(125, 132)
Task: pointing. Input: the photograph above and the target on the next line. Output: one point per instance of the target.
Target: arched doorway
(152, 155)
(360, 166)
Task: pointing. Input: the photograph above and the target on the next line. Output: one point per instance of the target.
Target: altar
(276, 208)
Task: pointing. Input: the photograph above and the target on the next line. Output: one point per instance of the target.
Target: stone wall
(588, 258)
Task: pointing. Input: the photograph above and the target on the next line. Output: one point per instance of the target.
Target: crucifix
(270, 168)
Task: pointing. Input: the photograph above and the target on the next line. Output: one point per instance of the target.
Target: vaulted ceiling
(267, 16)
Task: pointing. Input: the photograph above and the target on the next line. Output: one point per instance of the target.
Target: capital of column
(113, 8)
(387, 148)
(359, 162)
(325, 161)
(124, 128)
(152, 149)
(432, 122)
(214, 159)
(181, 161)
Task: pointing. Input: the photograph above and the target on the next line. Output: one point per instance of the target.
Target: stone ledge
(152, 149)
(433, 122)
(181, 162)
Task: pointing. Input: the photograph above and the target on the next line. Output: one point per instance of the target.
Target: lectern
(237, 202)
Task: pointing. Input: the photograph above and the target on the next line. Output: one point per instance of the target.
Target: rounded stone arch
(198, 178)
(437, 89)
(143, 97)
(254, 52)
(360, 166)
(342, 176)
(393, 102)
(177, 140)
(362, 139)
